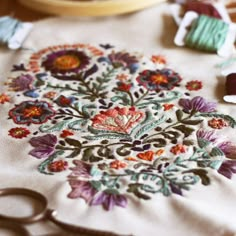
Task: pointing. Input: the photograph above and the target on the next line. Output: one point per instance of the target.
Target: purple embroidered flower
(158, 80)
(228, 148)
(81, 169)
(207, 135)
(28, 112)
(197, 104)
(22, 83)
(65, 61)
(228, 168)
(82, 189)
(43, 145)
(108, 199)
(121, 59)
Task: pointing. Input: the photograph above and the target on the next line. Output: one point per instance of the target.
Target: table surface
(13, 7)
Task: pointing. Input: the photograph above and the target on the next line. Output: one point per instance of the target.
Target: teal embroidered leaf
(216, 152)
(231, 121)
(187, 131)
(77, 124)
(57, 127)
(96, 184)
(203, 142)
(216, 164)
(108, 136)
(149, 126)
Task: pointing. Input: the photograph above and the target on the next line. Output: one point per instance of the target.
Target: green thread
(207, 34)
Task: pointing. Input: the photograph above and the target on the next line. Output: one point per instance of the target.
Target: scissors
(16, 224)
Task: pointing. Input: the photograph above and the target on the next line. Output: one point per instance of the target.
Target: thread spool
(202, 8)
(194, 31)
(230, 86)
(13, 32)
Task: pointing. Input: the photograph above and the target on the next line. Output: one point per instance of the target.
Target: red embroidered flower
(147, 156)
(65, 133)
(119, 120)
(194, 85)
(124, 87)
(58, 166)
(19, 132)
(217, 123)
(117, 164)
(177, 149)
(167, 106)
(158, 59)
(4, 98)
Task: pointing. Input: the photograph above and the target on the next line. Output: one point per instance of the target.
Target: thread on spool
(230, 86)
(202, 8)
(207, 34)
(13, 32)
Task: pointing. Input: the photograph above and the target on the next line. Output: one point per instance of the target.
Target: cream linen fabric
(202, 211)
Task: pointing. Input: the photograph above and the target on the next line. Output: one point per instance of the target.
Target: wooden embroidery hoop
(88, 8)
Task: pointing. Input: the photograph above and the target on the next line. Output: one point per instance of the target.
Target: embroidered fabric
(118, 128)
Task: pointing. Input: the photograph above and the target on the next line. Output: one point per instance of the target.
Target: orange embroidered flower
(194, 85)
(167, 106)
(58, 166)
(158, 59)
(130, 159)
(19, 132)
(65, 133)
(147, 156)
(160, 152)
(4, 98)
(177, 149)
(117, 164)
(50, 95)
(217, 123)
(122, 77)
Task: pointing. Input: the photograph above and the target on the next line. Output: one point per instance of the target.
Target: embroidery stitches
(118, 123)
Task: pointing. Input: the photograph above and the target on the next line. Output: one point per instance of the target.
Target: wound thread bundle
(13, 32)
(207, 34)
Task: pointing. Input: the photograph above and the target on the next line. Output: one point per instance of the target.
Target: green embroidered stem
(141, 98)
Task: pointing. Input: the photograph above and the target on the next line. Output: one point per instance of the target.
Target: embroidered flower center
(159, 79)
(66, 62)
(32, 111)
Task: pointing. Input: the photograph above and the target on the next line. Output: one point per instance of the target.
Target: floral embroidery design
(19, 132)
(158, 80)
(194, 85)
(4, 98)
(117, 123)
(31, 112)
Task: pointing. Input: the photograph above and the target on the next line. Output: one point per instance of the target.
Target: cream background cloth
(203, 211)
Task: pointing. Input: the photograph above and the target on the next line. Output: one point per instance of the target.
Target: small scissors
(15, 224)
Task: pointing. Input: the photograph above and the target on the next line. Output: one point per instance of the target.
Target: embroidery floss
(207, 34)
(13, 32)
(230, 88)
